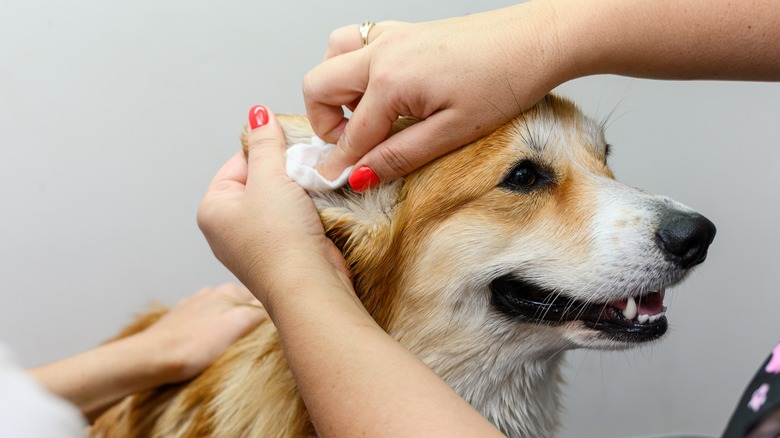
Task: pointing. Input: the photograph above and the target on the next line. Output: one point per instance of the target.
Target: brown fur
(418, 249)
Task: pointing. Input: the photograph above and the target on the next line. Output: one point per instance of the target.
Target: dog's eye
(523, 176)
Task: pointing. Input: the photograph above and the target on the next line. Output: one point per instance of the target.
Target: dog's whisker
(508, 119)
(555, 354)
(609, 119)
(549, 300)
(520, 108)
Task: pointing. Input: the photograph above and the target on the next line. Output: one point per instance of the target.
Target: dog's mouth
(639, 318)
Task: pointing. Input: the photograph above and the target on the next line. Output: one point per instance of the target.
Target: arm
(175, 348)
(355, 379)
(666, 39)
(466, 76)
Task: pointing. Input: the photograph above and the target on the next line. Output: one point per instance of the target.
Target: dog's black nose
(685, 237)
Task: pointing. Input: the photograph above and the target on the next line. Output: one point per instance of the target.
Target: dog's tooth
(630, 311)
(657, 316)
(643, 318)
(663, 294)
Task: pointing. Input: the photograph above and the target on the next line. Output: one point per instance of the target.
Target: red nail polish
(363, 178)
(258, 116)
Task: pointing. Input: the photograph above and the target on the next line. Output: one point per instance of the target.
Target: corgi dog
(487, 263)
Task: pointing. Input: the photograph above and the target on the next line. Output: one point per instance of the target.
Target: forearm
(96, 379)
(669, 39)
(364, 383)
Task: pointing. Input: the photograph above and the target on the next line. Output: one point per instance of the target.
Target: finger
(201, 292)
(245, 318)
(370, 124)
(265, 149)
(419, 144)
(238, 292)
(332, 84)
(342, 40)
(346, 39)
(227, 185)
(231, 177)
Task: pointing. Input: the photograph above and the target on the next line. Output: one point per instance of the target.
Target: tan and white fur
(487, 263)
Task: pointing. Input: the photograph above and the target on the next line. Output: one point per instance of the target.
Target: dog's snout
(685, 237)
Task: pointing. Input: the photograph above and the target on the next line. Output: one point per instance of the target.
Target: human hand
(261, 224)
(463, 77)
(192, 335)
(265, 229)
(177, 347)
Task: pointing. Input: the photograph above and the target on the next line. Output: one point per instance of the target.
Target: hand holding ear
(456, 75)
(261, 224)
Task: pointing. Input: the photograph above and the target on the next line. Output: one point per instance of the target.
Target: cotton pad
(301, 161)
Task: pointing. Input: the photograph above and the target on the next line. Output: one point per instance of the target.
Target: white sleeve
(28, 410)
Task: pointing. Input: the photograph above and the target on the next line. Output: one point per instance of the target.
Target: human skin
(468, 76)
(354, 378)
(177, 347)
(465, 76)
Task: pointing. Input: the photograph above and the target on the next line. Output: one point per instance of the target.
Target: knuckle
(333, 41)
(346, 147)
(308, 84)
(210, 220)
(395, 161)
(203, 217)
(383, 79)
(332, 36)
(229, 289)
(340, 41)
(226, 286)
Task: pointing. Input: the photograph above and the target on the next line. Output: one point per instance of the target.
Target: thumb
(266, 146)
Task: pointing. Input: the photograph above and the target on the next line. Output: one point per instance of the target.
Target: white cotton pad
(301, 159)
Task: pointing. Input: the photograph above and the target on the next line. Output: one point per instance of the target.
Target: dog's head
(525, 228)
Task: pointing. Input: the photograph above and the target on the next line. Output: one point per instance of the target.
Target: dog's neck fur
(520, 397)
(516, 389)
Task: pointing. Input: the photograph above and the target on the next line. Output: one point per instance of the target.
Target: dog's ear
(360, 224)
(296, 130)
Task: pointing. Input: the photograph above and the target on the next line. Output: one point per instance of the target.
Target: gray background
(115, 115)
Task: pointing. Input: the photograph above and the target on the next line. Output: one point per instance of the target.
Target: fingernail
(363, 178)
(258, 116)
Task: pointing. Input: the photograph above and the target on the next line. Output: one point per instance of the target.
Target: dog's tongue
(650, 304)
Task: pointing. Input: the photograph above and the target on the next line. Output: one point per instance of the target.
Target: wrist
(549, 54)
(295, 271)
(159, 361)
(571, 51)
(315, 281)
